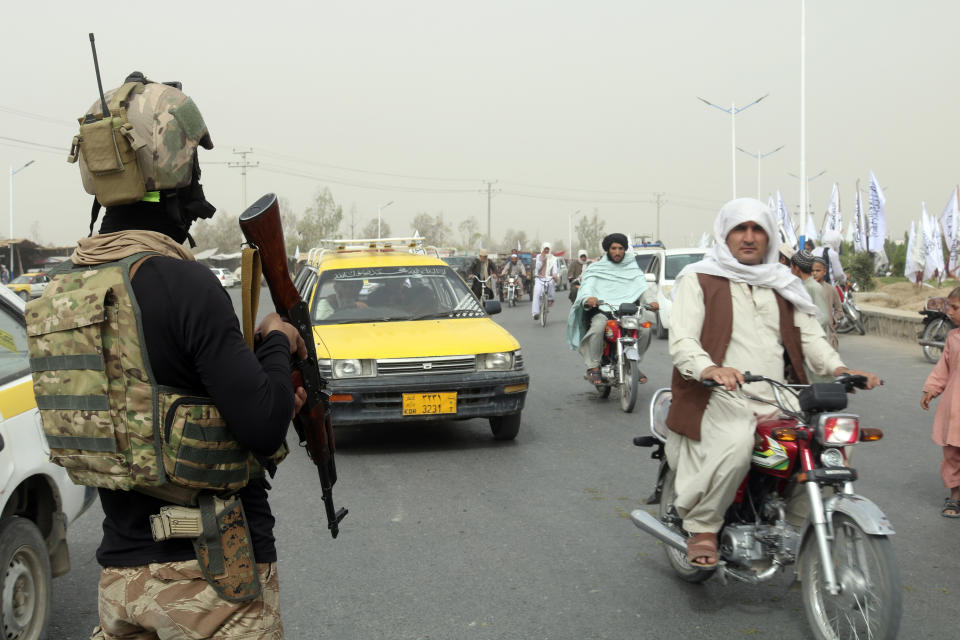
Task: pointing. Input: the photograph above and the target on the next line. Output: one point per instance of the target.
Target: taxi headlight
(500, 361)
(352, 368)
(630, 322)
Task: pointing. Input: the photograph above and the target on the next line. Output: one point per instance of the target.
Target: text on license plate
(420, 404)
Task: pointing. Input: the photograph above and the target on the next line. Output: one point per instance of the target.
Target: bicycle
(544, 302)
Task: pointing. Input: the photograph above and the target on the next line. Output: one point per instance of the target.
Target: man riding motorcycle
(613, 279)
(759, 313)
(575, 271)
(513, 267)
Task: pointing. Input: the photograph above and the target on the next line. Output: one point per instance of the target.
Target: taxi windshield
(395, 293)
(26, 278)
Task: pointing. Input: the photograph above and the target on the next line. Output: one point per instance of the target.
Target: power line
(36, 116)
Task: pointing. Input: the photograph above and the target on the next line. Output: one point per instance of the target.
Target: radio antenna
(105, 111)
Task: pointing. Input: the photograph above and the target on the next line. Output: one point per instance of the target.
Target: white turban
(719, 261)
(832, 239)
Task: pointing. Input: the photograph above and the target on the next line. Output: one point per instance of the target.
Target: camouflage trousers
(172, 601)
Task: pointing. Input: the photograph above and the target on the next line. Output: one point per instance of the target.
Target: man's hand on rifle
(273, 322)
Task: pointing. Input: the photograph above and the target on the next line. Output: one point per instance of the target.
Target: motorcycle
(626, 338)
(511, 289)
(850, 583)
(852, 317)
(936, 325)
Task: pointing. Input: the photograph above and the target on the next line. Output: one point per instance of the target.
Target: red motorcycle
(796, 506)
(626, 338)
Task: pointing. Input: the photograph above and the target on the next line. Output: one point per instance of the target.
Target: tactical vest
(107, 421)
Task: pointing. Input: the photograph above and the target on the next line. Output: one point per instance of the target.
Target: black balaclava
(619, 238)
(172, 216)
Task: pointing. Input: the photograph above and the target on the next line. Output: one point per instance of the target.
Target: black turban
(614, 237)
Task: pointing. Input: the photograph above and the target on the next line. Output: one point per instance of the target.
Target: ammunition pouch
(221, 542)
(107, 150)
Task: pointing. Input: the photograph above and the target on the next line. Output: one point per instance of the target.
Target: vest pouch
(71, 338)
(224, 550)
(198, 451)
(108, 150)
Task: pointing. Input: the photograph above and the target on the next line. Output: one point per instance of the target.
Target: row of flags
(925, 257)
(866, 231)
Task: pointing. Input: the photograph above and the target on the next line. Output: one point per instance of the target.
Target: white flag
(296, 254)
(786, 222)
(859, 233)
(704, 241)
(915, 263)
(811, 230)
(849, 236)
(878, 217)
(949, 220)
(832, 221)
(932, 246)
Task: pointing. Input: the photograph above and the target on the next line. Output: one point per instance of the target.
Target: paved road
(452, 535)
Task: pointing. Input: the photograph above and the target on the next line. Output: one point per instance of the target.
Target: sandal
(593, 375)
(641, 377)
(702, 545)
(951, 508)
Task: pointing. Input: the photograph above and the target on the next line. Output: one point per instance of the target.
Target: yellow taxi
(400, 337)
(29, 285)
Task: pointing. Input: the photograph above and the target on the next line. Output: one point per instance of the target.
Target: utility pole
(490, 192)
(759, 156)
(660, 202)
(243, 164)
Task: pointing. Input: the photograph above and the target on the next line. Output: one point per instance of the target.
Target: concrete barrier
(891, 323)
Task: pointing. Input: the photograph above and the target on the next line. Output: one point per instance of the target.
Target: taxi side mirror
(492, 307)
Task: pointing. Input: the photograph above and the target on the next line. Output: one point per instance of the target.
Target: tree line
(324, 219)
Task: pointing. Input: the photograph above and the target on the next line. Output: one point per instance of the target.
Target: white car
(37, 499)
(225, 276)
(663, 270)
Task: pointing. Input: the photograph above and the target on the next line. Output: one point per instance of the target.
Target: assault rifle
(260, 225)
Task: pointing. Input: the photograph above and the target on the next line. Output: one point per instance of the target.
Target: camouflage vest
(107, 421)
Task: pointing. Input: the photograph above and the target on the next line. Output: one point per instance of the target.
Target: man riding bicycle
(547, 274)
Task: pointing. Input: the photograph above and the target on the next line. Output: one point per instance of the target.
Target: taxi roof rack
(371, 244)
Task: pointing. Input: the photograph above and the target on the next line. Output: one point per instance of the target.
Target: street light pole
(804, 202)
(570, 231)
(733, 111)
(13, 173)
(760, 156)
(379, 209)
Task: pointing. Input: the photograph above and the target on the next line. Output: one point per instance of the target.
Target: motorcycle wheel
(937, 331)
(630, 387)
(858, 321)
(677, 558)
(844, 326)
(870, 601)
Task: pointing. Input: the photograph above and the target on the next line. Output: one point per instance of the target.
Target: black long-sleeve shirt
(193, 341)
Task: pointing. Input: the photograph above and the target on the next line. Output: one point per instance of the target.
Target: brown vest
(690, 398)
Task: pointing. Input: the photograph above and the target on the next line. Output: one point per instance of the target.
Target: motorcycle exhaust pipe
(658, 530)
(932, 343)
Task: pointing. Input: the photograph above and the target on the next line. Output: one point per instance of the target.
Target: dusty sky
(566, 105)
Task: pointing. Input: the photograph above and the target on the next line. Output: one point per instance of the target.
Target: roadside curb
(894, 324)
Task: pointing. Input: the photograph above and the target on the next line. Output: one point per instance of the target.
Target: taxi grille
(414, 366)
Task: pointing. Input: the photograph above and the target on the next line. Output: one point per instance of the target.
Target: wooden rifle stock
(261, 226)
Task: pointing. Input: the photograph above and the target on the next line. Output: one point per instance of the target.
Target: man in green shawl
(614, 279)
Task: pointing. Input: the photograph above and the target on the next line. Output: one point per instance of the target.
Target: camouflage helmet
(169, 125)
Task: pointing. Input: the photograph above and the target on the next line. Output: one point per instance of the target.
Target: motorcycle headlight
(352, 368)
(500, 361)
(832, 458)
(834, 428)
(630, 322)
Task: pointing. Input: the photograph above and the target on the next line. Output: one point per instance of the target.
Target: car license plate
(422, 404)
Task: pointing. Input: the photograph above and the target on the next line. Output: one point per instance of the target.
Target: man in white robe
(712, 456)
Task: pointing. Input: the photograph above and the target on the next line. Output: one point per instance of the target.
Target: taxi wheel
(25, 580)
(505, 427)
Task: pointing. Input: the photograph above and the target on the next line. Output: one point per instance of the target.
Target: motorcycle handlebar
(850, 382)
